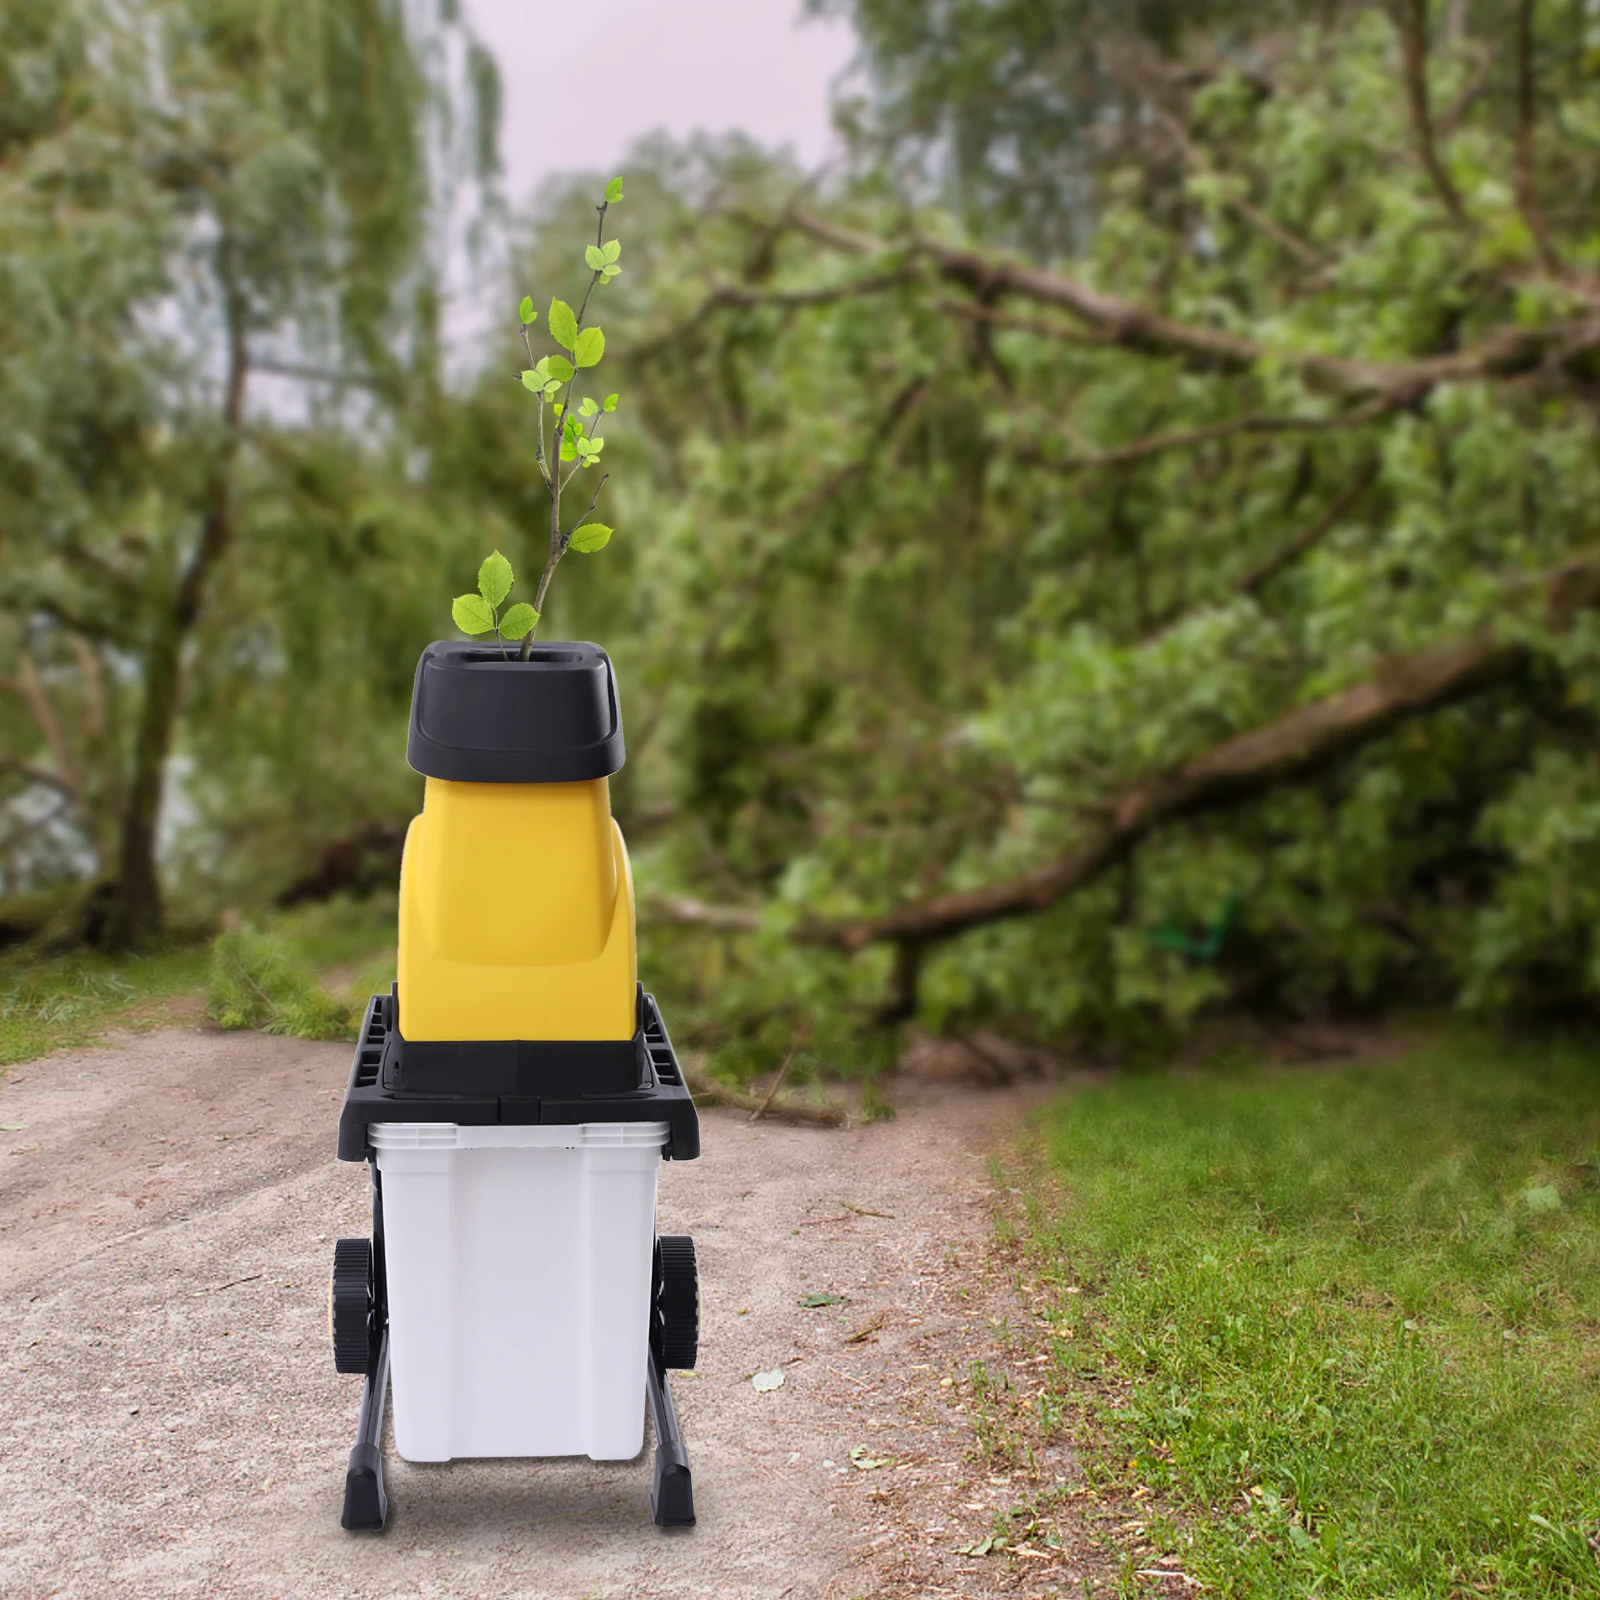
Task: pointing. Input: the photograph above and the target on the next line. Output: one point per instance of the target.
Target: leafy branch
(568, 443)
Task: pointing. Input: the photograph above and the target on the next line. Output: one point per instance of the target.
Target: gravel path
(172, 1425)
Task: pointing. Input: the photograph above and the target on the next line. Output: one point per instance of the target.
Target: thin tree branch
(31, 687)
(39, 775)
(734, 295)
(1189, 438)
(1414, 53)
(1196, 159)
(783, 1072)
(1527, 199)
(906, 401)
(1365, 477)
(94, 688)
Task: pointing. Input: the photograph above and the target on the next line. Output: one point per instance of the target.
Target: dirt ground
(171, 1423)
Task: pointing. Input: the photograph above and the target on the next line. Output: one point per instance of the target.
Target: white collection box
(518, 1262)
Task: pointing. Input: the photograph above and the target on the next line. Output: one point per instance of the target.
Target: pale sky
(581, 82)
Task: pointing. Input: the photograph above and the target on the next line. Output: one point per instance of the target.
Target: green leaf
(613, 191)
(812, 1302)
(526, 311)
(471, 614)
(590, 537)
(611, 251)
(609, 273)
(1546, 1197)
(560, 368)
(594, 257)
(495, 579)
(568, 453)
(518, 620)
(532, 381)
(611, 402)
(563, 324)
(590, 347)
(590, 406)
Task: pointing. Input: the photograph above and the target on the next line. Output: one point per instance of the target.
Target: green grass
(267, 975)
(1350, 1320)
(63, 1001)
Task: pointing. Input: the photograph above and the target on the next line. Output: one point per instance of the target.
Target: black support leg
(672, 1491)
(365, 1503)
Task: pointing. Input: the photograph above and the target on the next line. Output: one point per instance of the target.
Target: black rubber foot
(672, 1491)
(365, 1503)
(672, 1487)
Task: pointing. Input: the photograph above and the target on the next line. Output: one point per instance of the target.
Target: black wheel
(350, 1305)
(677, 1320)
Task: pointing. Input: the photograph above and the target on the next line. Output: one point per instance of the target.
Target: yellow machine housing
(517, 915)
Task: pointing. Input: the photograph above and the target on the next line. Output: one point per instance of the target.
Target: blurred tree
(196, 193)
(1015, 110)
(1241, 557)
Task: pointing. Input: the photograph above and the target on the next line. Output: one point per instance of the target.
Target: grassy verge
(270, 974)
(1351, 1320)
(62, 1001)
(306, 972)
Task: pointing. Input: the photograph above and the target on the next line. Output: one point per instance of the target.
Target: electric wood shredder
(514, 1094)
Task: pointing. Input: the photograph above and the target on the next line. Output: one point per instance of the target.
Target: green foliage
(241, 181)
(58, 1002)
(1039, 549)
(590, 537)
(478, 614)
(495, 578)
(563, 324)
(1053, 559)
(518, 621)
(1356, 1336)
(472, 614)
(258, 980)
(551, 376)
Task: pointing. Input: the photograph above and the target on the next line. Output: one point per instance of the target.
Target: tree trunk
(129, 910)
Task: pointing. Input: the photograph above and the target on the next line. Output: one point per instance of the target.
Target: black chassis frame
(662, 1096)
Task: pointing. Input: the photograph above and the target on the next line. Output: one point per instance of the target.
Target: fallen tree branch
(684, 911)
(708, 1092)
(782, 1073)
(1240, 769)
(1507, 352)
